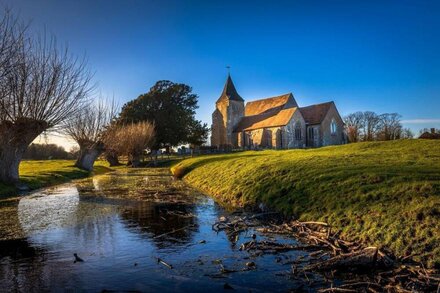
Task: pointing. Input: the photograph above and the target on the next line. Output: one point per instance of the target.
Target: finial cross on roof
(228, 68)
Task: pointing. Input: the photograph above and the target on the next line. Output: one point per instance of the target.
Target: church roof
(269, 104)
(265, 120)
(229, 92)
(314, 114)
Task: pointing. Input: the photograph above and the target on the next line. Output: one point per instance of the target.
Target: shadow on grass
(180, 171)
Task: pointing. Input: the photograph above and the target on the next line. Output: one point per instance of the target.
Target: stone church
(276, 122)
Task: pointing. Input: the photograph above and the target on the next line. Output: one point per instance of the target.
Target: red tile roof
(314, 114)
(269, 104)
(266, 120)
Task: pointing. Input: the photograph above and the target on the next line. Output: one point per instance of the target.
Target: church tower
(229, 109)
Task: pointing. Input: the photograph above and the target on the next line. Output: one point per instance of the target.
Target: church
(273, 123)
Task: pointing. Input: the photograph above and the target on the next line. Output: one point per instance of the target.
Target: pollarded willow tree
(41, 86)
(87, 129)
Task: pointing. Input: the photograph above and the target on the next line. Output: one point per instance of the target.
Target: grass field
(37, 174)
(381, 193)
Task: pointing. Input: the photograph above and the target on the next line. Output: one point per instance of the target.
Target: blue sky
(364, 55)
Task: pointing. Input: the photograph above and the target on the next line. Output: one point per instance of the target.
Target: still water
(120, 224)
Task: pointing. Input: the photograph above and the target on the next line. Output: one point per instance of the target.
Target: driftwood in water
(357, 260)
(273, 247)
(162, 262)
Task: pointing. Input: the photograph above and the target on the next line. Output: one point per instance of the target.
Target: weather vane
(228, 67)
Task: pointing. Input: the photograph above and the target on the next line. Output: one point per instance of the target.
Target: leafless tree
(132, 140)
(354, 124)
(370, 125)
(390, 127)
(407, 134)
(41, 86)
(12, 34)
(87, 129)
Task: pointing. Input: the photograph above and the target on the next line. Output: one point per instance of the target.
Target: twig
(164, 263)
(173, 231)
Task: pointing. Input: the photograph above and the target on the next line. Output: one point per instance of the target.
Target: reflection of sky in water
(48, 209)
(114, 228)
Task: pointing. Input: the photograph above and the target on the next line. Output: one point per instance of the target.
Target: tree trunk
(87, 157)
(10, 158)
(112, 159)
(135, 161)
(15, 137)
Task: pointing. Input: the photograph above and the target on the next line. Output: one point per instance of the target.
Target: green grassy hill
(381, 193)
(37, 174)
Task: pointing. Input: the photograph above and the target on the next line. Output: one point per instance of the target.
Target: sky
(372, 55)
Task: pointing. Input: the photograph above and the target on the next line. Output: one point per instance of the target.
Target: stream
(120, 224)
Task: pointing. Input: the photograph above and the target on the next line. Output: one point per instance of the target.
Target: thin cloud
(421, 121)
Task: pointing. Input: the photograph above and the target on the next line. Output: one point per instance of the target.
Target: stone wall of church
(218, 130)
(235, 113)
(293, 134)
(314, 137)
(283, 137)
(225, 118)
(327, 136)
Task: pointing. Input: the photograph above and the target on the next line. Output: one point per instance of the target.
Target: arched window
(298, 130)
(333, 127)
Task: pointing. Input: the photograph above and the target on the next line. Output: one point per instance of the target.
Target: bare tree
(11, 35)
(370, 125)
(390, 127)
(41, 86)
(132, 140)
(407, 134)
(87, 129)
(354, 124)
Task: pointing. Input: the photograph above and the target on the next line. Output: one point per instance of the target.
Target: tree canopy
(171, 107)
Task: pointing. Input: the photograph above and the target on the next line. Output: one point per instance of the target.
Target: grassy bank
(37, 174)
(381, 193)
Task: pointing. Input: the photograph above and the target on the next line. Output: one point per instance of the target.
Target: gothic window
(298, 130)
(311, 133)
(333, 127)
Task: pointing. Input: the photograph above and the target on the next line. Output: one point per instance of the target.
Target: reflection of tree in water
(151, 202)
(22, 266)
(155, 219)
(10, 227)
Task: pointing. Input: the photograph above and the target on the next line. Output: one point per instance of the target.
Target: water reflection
(119, 224)
(157, 221)
(49, 209)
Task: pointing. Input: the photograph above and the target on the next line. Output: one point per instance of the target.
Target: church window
(311, 133)
(298, 130)
(333, 127)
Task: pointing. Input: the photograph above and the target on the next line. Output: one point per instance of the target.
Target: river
(120, 224)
